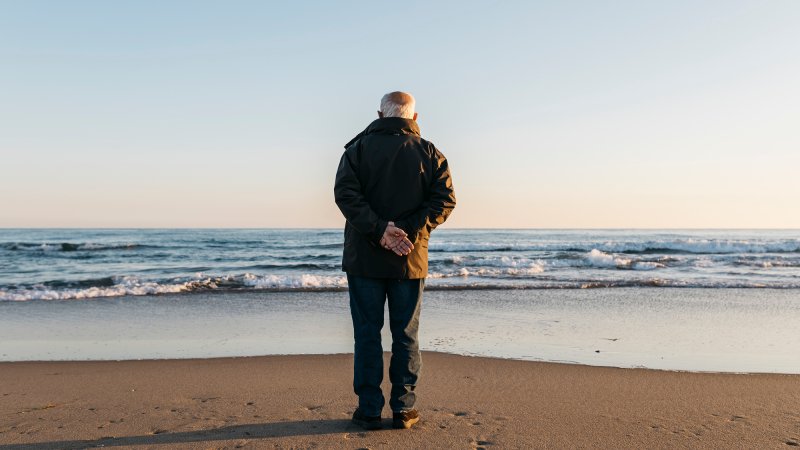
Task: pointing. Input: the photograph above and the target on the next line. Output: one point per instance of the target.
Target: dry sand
(465, 402)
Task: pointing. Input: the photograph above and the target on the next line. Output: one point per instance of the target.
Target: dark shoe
(405, 420)
(366, 422)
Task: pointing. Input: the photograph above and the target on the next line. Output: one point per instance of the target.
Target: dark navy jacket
(389, 173)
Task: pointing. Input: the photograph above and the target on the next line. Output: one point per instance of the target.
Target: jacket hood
(388, 125)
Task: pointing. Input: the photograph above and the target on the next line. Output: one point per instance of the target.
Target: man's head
(398, 104)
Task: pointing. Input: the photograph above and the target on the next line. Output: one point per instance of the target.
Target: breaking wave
(130, 285)
(593, 258)
(461, 279)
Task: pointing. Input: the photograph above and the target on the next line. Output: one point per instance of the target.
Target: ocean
(703, 300)
(49, 264)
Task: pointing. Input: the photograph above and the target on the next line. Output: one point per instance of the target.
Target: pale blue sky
(552, 114)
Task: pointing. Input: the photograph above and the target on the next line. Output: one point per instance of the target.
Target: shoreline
(303, 401)
(428, 288)
(432, 352)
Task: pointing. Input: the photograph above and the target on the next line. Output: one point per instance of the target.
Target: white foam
(294, 281)
(769, 263)
(497, 261)
(646, 265)
(489, 272)
(134, 286)
(123, 286)
(594, 258)
(599, 259)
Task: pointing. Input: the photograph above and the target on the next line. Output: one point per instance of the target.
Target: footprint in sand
(481, 444)
(351, 435)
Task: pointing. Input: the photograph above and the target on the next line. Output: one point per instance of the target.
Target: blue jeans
(367, 298)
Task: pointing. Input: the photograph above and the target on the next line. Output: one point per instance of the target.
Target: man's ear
(380, 115)
(415, 117)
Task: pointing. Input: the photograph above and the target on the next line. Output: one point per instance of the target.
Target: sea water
(684, 300)
(77, 264)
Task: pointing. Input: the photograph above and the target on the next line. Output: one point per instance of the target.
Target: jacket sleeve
(351, 201)
(439, 204)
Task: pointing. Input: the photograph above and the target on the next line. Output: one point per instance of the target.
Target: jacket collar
(388, 125)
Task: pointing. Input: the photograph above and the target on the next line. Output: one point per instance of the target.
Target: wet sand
(714, 330)
(305, 401)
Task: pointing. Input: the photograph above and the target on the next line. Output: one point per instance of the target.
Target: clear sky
(552, 114)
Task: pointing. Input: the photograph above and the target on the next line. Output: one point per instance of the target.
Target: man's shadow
(246, 431)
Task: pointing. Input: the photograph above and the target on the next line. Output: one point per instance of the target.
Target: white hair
(398, 104)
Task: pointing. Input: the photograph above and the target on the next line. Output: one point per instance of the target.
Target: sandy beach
(305, 401)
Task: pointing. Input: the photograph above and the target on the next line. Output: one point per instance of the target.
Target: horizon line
(447, 228)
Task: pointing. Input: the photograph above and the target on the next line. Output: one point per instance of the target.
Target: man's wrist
(411, 234)
(404, 226)
(380, 230)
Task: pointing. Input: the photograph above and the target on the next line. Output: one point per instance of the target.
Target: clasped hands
(396, 240)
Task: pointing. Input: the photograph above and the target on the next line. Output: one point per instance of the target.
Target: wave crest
(69, 246)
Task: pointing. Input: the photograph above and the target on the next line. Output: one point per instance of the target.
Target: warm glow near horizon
(552, 115)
